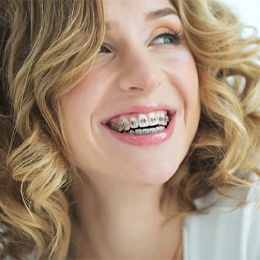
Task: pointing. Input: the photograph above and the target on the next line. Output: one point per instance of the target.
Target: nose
(139, 72)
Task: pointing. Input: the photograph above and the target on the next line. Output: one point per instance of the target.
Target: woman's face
(136, 111)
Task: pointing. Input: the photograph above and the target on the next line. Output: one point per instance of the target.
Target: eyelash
(174, 36)
(103, 45)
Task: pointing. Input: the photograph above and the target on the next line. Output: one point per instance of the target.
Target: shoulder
(225, 229)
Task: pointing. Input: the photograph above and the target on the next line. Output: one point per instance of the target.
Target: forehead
(136, 10)
(112, 8)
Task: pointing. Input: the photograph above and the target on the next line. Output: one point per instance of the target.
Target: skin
(137, 65)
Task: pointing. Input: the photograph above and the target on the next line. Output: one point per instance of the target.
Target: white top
(224, 232)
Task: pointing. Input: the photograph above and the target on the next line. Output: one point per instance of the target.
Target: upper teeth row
(142, 121)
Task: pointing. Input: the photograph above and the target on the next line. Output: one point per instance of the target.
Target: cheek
(76, 110)
(191, 81)
(184, 78)
(189, 89)
(79, 105)
(88, 91)
(182, 72)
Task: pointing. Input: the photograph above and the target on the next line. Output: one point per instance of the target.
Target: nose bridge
(138, 70)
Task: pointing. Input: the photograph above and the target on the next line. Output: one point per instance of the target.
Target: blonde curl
(46, 48)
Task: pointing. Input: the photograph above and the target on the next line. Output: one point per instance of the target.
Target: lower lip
(150, 139)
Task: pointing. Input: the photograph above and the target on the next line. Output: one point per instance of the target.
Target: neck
(124, 221)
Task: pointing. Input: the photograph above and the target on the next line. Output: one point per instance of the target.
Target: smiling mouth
(140, 124)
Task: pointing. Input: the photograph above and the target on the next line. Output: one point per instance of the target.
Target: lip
(142, 140)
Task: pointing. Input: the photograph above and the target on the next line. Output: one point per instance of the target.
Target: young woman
(129, 130)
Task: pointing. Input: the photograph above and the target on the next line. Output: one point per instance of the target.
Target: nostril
(136, 88)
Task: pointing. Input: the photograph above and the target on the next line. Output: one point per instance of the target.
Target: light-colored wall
(248, 10)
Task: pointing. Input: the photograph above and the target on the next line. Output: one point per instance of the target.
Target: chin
(156, 175)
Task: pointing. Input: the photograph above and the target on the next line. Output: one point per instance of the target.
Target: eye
(103, 49)
(166, 38)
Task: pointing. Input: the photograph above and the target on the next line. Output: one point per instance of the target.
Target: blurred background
(248, 11)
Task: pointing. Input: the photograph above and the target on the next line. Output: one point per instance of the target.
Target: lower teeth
(145, 131)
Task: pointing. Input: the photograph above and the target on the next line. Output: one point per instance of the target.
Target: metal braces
(124, 125)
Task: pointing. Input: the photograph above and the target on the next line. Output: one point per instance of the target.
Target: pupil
(167, 40)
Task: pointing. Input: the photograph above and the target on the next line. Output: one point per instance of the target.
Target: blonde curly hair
(46, 48)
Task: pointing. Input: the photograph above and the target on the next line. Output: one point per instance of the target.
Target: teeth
(152, 118)
(119, 128)
(163, 120)
(157, 119)
(147, 131)
(159, 128)
(143, 121)
(133, 122)
(132, 132)
(152, 130)
(138, 131)
(125, 124)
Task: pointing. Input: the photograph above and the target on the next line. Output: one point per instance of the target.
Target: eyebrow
(149, 16)
(160, 13)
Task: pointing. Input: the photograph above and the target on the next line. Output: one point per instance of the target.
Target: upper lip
(141, 109)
